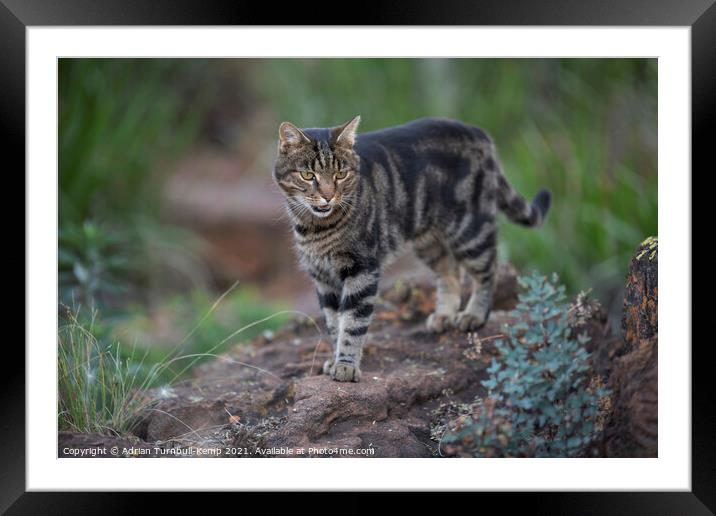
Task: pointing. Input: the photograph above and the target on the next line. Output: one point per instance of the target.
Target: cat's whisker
(347, 203)
(343, 209)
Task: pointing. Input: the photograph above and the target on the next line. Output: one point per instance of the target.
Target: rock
(270, 396)
(640, 319)
(632, 428)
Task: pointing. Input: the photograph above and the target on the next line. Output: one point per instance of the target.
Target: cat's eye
(306, 175)
(341, 174)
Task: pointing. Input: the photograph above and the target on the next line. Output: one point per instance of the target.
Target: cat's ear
(346, 134)
(290, 136)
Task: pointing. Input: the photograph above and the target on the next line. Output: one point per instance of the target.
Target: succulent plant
(540, 402)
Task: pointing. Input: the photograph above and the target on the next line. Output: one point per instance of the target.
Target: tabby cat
(356, 200)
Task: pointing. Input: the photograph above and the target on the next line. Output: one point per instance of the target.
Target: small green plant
(99, 389)
(92, 263)
(540, 402)
(108, 266)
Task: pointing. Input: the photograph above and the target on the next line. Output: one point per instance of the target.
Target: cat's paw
(469, 321)
(345, 372)
(327, 366)
(439, 323)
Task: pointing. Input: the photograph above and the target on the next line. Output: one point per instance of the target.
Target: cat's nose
(326, 200)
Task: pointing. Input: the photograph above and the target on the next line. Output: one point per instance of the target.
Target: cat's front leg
(329, 298)
(354, 315)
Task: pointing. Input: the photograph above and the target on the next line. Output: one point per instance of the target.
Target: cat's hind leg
(435, 255)
(479, 258)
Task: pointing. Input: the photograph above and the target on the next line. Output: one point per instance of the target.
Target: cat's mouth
(323, 210)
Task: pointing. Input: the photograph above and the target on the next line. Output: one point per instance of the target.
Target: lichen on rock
(632, 429)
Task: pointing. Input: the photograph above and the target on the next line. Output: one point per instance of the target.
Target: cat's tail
(517, 209)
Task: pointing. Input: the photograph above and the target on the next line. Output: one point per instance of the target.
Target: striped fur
(357, 201)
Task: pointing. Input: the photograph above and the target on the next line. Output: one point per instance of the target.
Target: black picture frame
(17, 15)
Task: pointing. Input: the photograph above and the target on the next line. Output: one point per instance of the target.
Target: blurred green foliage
(197, 325)
(116, 118)
(584, 128)
(119, 121)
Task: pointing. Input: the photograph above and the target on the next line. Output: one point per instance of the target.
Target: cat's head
(317, 169)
